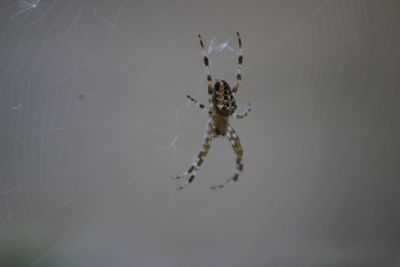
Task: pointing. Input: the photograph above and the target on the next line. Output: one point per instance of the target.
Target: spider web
(94, 120)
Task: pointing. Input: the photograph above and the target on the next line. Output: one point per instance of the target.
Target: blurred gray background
(94, 120)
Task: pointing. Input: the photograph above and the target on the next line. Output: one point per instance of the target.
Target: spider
(222, 106)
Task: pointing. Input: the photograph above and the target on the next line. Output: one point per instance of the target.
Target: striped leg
(237, 148)
(199, 105)
(240, 63)
(244, 114)
(194, 168)
(209, 79)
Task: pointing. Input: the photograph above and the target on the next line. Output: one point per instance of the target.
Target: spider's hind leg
(194, 167)
(237, 148)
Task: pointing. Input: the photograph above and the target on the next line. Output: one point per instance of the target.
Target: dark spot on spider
(206, 61)
(191, 178)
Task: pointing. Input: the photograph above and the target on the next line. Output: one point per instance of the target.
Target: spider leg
(194, 167)
(199, 105)
(237, 148)
(244, 114)
(240, 62)
(209, 79)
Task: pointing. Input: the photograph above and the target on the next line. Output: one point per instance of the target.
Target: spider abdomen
(223, 99)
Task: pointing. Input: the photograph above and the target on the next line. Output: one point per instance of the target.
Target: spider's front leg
(237, 148)
(194, 167)
(240, 63)
(209, 78)
(199, 104)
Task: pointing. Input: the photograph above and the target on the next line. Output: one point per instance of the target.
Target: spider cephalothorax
(222, 106)
(223, 99)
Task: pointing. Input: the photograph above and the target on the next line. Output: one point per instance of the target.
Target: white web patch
(215, 47)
